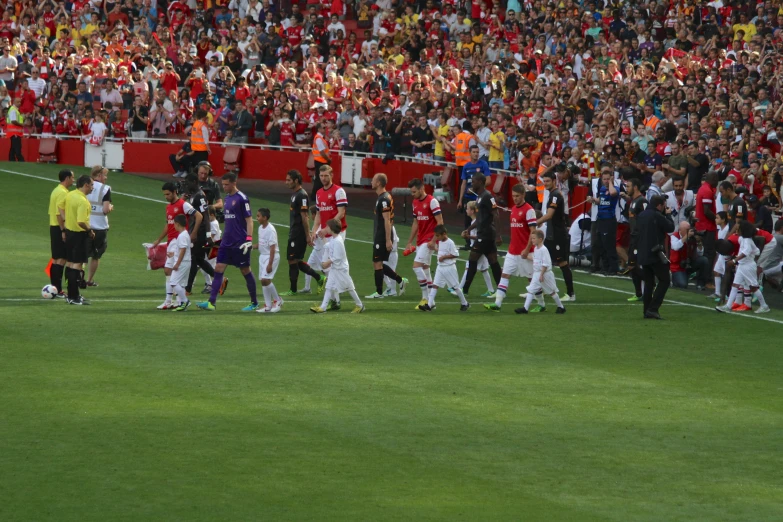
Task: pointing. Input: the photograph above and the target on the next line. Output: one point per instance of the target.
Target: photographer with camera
(653, 225)
(686, 259)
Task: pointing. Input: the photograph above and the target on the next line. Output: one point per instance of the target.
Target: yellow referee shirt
(77, 210)
(57, 202)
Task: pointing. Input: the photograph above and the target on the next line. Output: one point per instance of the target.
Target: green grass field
(117, 411)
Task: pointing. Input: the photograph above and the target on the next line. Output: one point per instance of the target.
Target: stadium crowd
(661, 92)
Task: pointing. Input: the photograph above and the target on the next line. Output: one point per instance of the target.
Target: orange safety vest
(11, 129)
(197, 142)
(462, 151)
(320, 155)
(540, 184)
(652, 122)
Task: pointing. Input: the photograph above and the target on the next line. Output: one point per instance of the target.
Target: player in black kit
(637, 205)
(299, 234)
(382, 237)
(487, 237)
(200, 223)
(556, 239)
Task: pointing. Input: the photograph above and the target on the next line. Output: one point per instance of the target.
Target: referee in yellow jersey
(57, 229)
(77, 232)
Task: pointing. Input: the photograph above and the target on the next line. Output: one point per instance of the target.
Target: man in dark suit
(241, 123)
(653, 224)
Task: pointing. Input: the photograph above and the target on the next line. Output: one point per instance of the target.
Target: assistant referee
(57, 229)
(77, 232)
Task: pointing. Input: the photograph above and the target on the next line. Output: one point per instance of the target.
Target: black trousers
(708, 240)
(654, 294)
(178, 165)
(317, 185)
(606, 235)
(198, 256)
(15, 152)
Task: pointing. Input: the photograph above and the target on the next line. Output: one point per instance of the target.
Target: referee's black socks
(568, 277)
(472, 267)
(72, 275)
(385, 271)
(496, 272)
(56, 276)
(307, 269)
(293, 276)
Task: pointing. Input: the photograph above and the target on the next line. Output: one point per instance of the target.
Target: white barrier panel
(110, 155)
(352, 170)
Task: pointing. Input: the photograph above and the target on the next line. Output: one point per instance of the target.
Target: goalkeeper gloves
(247, 246)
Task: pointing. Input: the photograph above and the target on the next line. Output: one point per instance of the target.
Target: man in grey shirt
(8, 68)
(241, 123)
(771, 258)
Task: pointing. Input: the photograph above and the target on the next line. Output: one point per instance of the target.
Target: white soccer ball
(49, 292)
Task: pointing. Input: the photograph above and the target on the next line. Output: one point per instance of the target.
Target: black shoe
(560, 310)
(425, 308)
(61, 295)
(79, 301)
(652, 315)
(464, 308)
(522, 310)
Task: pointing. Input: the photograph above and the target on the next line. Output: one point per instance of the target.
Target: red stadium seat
(231, 158)
(47, 150)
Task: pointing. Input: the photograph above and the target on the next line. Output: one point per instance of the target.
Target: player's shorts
(233, 256)
(446, 276)
(548, 286)
(76, 246)
(720, 265)
(297, 246)
(180, 275)
(423, 254)
(263, 263)
(516, 265)
(339, 281)
(316, 258)
(58, 245)
(484, 246)
(96, 246)
(745, 276)
(379, 252)
(559, 248)
(623, 235)
(171, 255)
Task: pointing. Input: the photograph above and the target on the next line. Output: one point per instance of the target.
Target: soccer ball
(49, 292)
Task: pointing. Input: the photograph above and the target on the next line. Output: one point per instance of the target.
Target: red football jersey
(173, 210)
(425, 210)
(705, 195)
(522, 218)
(328, 200)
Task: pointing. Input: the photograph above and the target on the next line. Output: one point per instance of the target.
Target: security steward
(321, 156)
(57, 229)
(100, 208)
(77, 233)
(199, 139)
(14, 130)
(653, 224)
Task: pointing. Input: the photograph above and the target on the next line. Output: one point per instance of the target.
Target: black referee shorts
(76, 246)
(297, 246)
(484, 246)
(558, 249)
(58, 245)
(96, 246)
(379, 252)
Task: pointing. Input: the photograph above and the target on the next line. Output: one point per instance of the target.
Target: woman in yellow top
(497, 146)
